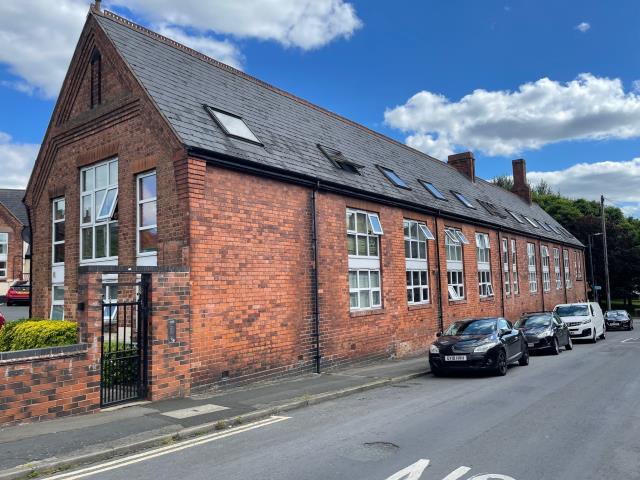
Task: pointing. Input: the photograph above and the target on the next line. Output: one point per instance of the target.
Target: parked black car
(545, 331)
(478, 344)
(618, 319)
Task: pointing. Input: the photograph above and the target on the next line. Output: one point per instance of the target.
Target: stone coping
(43, 354)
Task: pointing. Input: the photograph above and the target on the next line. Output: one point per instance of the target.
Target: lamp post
(606, 253)
(593, 275)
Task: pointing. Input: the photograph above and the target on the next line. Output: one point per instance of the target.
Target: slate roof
(181, 81)
(12, 200)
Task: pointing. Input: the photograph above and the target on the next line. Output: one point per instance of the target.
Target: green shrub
(34, 333)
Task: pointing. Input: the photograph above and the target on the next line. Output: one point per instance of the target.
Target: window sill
(458, 302)
(419, 306)
(366, 313)
(488, 299)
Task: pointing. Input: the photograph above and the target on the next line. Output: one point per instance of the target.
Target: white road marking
(631, 340)
(412, 472)
(194, 411)
(457, 473)
(157, 452)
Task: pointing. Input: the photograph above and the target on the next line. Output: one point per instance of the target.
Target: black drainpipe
(30, 263)
(316, 308)
(438, 280)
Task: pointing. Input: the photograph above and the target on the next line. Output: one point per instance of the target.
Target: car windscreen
(572, 311)
(617, 314)
(474, 327)
(534, 321)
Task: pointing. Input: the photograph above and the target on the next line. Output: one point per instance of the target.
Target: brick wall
(126, 125)
(9, 224)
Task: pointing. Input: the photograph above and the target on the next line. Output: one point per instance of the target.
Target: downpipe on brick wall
(316, 308)
(438, 278)
(501, 264)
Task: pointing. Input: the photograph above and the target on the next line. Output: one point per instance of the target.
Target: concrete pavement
(572, 416)
(14, 312)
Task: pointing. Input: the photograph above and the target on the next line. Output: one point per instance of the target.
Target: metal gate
(124, 345)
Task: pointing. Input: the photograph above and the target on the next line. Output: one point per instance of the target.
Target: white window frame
(567, 272)
(139, 203)
(546, 275)
(54, 222)
(506, 271)
(577, 264)
(533, 271)
(416, 235)
(57, 302)
(4, 256)
(483, 255)
(455, 263)
(556, 268)
(514, 267)
(97, 222)
(367, 262)
(531, 221)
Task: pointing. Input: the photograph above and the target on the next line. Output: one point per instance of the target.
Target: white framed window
(567, 273)
(455, 268)
(533, 272)
(4, 252)
(147, 215)
(417, 266)
(506, 271)
(514, 267)
(364, 289)
(109, 299)
(363, 246)
(483, 254)
(556, 268)
(577, 265)
(57, 231)
(98, 212)
(57, 302)
(546, 274)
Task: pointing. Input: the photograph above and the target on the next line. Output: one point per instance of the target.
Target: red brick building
(309, 240)
(14, 252)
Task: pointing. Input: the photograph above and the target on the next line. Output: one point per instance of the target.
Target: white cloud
(222, 50)
(617, 181)
(306, 24)
(583, 27)
(506, 122)
(17, 161)
(38, 37)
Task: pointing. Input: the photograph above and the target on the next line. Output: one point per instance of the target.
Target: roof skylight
(516, 217)
(545, 226)
(463, 199)
(432, 189)
(232, 125)
(491, 208)
(533, 223)
(394, 177)
(339, 160)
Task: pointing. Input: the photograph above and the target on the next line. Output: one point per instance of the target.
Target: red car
(19, 292)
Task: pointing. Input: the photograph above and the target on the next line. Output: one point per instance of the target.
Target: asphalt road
(14, 312)
(572, 416)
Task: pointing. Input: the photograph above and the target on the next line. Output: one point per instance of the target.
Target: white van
(585, 320)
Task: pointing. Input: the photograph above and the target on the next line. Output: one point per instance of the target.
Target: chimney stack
(465, 163)
(520, 185)
(96, 6)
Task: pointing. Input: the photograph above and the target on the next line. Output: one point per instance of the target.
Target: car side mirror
(503, 332)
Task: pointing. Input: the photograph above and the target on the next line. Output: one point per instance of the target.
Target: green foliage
(120, 364)
(504, 181)
(26, 334)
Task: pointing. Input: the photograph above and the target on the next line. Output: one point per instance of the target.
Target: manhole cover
(382, 446)
(370, 451)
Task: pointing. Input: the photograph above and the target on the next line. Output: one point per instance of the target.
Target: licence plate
(530, 344)
(455, 358)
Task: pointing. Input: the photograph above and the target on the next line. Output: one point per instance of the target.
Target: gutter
(316, 307)
(234, 163)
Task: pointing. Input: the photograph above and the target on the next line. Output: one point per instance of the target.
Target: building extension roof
(295, 135)
(12, 200)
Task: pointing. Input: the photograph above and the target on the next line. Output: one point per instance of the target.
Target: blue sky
(549, 81)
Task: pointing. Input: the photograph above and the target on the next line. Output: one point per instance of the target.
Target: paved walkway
(82, 439)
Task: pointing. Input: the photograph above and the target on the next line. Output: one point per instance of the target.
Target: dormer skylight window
(339, 160)
(393, 177)
(233, 125)
(491, 208)
(555, 229)
(515, 216)
(545, 226)
(431, 188)
(463, 199)
(531, 221)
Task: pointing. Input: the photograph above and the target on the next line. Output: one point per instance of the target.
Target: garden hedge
(26, 334)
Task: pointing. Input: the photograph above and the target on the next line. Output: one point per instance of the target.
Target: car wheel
(524, 359)
(594, 339)
(604, 333)
(9, 303)
(556, 347)
(569, 345)
(501, 364)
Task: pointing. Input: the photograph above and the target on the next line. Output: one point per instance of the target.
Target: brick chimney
(520, 185)
(465, 163)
